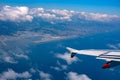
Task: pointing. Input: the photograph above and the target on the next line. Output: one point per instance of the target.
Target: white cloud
(12, 54)
(64, 67)
(32, 70)
(44, 76)
(60, 67)
(76, 76)
(15, 13)
(12, 75)
(22, 56)
(9, 59)
(51, 14)
(63, 14)
(67, 58)
(18, 50)
(24, 75)
(23, 13)
(55, 68)
(47, 15)
(35, 11)
(97, 16)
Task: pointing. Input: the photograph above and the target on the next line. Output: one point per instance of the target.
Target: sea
(42, 57)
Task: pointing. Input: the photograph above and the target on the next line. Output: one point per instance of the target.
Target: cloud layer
(23, 13)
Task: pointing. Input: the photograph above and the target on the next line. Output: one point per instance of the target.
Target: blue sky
(97, 6)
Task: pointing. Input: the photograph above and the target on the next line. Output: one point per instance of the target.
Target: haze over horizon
(96, 6)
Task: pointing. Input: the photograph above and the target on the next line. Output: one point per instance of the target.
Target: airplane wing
(112, 56)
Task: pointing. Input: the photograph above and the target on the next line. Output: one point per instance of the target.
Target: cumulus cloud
(76, 76)
(23, 13)
(11, 54)
(63, 67)
(63, 14)
(15, 13)
(66, 57)
(60, 67)
(18, 50)
(47, 15)
(97, 16)
(34, 11)
(12, 75)
(55, 68)
(44, 76)
(9, 59)
(32, 70)
(22, 56)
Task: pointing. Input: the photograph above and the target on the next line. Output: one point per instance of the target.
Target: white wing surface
(112, 56)
(108, 55)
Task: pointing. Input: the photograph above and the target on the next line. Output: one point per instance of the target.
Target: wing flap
(109, 59)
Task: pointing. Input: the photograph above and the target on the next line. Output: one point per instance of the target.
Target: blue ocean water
(43, 56)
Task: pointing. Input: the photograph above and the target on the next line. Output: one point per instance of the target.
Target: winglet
(72, 51)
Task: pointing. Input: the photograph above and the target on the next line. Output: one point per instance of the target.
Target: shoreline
(51, 40)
